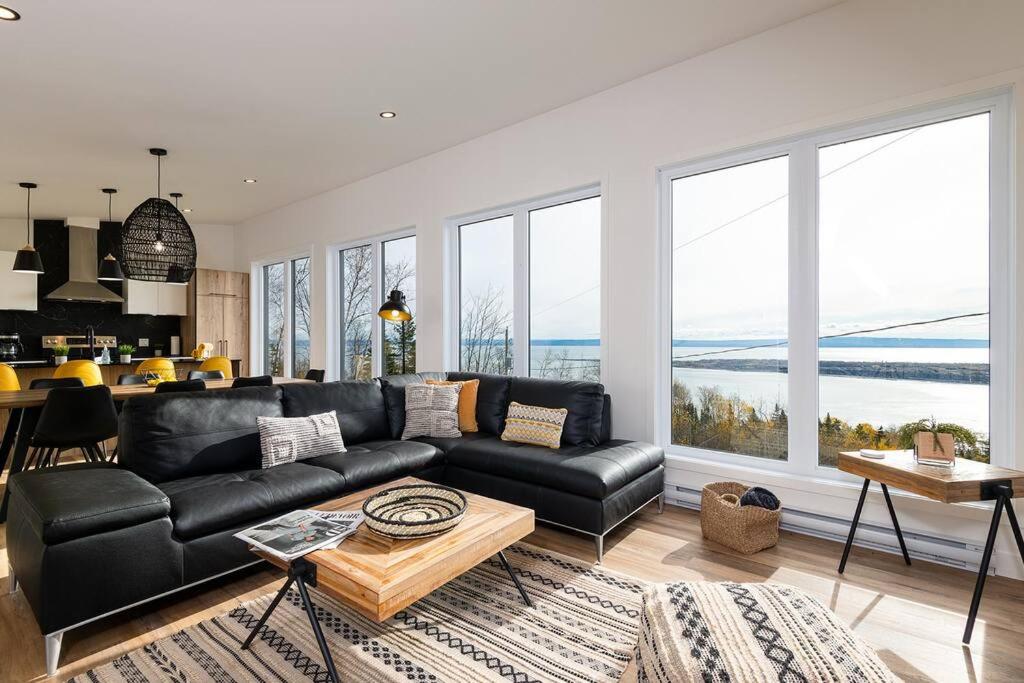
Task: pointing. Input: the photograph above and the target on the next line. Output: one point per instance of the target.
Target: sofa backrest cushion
(170, 436)
(393, 388)
(583, 400)
(358, 405)
(492, 399)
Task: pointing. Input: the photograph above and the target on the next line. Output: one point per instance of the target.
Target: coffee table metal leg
(315, 624)
(267, 612)
(853, 526)
(515, 579)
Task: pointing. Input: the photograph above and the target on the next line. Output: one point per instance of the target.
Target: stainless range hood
(83, 264)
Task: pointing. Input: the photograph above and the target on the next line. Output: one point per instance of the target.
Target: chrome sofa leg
(599, 543)
(53, 652)
(661, 502)
(12, 579)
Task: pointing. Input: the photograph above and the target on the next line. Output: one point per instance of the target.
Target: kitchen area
(69, 312)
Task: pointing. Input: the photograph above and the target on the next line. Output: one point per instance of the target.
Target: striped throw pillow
(431, 410)
(534, 425)
(287, 439)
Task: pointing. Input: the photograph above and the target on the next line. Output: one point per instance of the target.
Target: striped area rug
(583, 627)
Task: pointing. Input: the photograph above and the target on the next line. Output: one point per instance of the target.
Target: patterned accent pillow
(468, 390)
(287, 439)
(534, 425)
(431, 410)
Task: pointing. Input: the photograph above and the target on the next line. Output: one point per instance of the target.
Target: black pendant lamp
(157, 244)
(27, 260)
(110, 269)
(395, 309)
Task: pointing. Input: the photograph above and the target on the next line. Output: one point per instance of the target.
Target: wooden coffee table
(378, 576)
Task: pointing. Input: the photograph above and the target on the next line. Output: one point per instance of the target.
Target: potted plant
(125, 352)
(934, 444)
(60, 353)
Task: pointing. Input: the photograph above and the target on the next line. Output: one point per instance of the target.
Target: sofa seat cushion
(373, 462)
(448, 444)
(73, 501)
(211, 502)
(594, 472)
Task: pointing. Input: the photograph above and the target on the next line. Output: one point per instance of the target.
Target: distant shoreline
(840, 342)
(956, 373)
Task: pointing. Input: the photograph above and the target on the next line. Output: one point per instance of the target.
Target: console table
(969, 481)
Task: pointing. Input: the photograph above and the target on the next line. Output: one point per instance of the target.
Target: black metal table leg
(302, 574)
(853, 525)
(896, 524)
(267, 612)
(300, 583)
(1011, 513)
(986, 558)
(26, 426)
(10, 434)
(515, 579)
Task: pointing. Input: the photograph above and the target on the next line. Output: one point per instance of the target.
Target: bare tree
(300, 294)
(276, 320)
(485, 330)
(357, 311)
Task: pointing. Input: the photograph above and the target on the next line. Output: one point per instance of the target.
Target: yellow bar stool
(161, 366)
(85, 370)
(8, 378)
(222, 363)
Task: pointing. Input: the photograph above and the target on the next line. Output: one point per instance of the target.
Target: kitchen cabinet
(218, 313)
(154, 298)
(18, 291)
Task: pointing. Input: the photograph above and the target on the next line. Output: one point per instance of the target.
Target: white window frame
(803, 281)
(332, 253)
(257, 316)
(520, 213)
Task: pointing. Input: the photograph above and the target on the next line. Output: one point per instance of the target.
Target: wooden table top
(33, 398)
(959, 484)
(379, 576)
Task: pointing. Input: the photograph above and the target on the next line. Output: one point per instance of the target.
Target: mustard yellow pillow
(467, 402)
(534, 425)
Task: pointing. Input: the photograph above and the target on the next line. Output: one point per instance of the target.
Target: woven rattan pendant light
(156, 241)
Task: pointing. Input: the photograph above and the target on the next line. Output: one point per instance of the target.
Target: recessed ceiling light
(7, 14)
(187, 210)
(248, 181)
(388, 114)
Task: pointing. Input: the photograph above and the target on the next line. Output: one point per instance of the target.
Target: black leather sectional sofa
(87, 540)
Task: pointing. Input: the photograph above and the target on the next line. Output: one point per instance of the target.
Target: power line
(835, 336)
(748, 213)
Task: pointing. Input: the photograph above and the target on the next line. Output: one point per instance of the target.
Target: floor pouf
(747, 632)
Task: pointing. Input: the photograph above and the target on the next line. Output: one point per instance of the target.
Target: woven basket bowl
(746, 528)
(414, 511)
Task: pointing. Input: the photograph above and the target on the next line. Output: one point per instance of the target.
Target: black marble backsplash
(71, 317)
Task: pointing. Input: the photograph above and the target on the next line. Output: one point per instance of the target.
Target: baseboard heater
(947, 551)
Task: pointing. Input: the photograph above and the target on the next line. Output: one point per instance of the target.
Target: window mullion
(376, 332)
(521, 292)
(803, 308)
(289, 322)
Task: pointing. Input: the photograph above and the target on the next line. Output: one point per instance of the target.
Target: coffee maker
(10, 346)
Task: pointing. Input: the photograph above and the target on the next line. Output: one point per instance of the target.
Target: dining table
(24, 407)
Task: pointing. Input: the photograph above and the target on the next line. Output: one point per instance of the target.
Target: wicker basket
(414, 511)
(746, 528)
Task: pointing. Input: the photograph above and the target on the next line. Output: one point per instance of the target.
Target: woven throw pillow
(468, 390)
(431, 410)
(534, 425)
(287, 439)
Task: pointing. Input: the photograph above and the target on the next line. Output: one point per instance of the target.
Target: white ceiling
(289, 92)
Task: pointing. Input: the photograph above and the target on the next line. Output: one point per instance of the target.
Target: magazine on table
(300, 532)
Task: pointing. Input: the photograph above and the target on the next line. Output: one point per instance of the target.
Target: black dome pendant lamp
(27, 259)
(157, 244)
(110, 269)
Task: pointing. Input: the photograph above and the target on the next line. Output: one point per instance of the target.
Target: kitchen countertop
(114, 361)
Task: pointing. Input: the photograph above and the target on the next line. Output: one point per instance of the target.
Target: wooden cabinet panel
(236, 329)
(218, 303)
(209, 320)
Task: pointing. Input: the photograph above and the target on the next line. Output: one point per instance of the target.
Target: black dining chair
(128, 378)
(205, 374)
(259, 381)
(73, 417)
(186, 385)
(315, 375)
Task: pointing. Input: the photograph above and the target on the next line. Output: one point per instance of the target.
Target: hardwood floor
(913, 616)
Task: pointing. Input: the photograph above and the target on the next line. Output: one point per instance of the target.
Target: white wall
(853, 61)
(12, 234)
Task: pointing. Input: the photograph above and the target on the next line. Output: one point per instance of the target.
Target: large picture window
(842, 290)
(365, 345)
(285, 314)
(528, 294)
